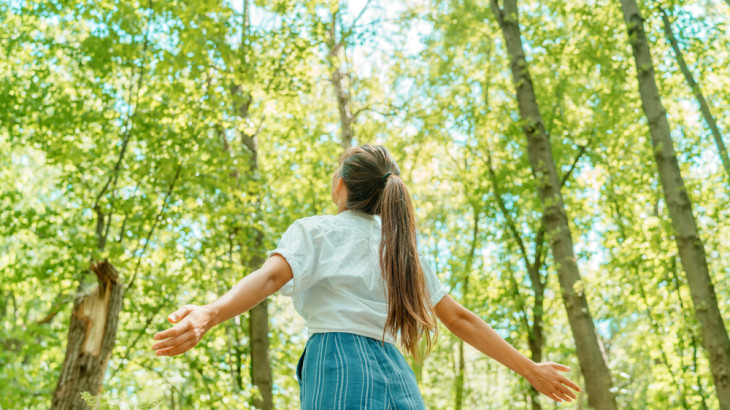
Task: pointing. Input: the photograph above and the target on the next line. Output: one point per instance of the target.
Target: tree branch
(140, 334)
(58, 303)
(503, 208)
(581, 151)
(128, 126)
(154, 224)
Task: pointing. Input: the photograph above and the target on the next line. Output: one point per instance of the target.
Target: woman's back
(337, 283)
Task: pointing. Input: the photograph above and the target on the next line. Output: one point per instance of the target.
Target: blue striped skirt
(348, 371)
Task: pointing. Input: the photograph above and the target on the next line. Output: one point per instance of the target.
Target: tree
(697, 91)
(593, 365)
(91, 338)
(714, 336)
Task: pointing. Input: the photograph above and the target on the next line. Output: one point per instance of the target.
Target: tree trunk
(91, 338)
(461, 366)
(691, 251)
(459, 381)
(338, 81)
(536, 336)
(704, 107)
(593, 366)
(258, 324)
(258, 317)
(343, 105)
(258, 333)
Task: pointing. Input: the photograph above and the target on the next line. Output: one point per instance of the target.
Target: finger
(562, 396)
(180, 313)
(569, 395)
(554, 397)
(570, 384)
(174, 331)
(561, 367)
(176, 350)
(175, 341)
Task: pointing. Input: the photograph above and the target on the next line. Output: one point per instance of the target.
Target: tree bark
(535, 336)
(691, 250)
(91, 338)
(258, 333)
(592, 363)
(258, 317)
(704, 106)
(461, 366)
(338, 81)
(343, 105)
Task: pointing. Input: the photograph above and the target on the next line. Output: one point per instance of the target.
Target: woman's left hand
(192, 323)
(545, 378)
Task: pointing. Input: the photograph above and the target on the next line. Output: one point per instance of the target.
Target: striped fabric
(347, 371)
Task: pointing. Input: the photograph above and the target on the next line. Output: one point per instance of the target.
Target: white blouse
(337, 284)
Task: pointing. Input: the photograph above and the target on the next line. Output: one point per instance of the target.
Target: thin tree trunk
(459, 380)
(535, 336)
(235, 362)
(91, 337)
(258, 328)
(692, 339)
(258, 317)
(636, 273)
(343, 105)
(692, 253)
(461, 367)
(340, 87)
(260, 366)
(704, 106)
(593, 366)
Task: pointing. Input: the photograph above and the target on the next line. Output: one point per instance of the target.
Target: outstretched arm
(193, 322)
(473, 330)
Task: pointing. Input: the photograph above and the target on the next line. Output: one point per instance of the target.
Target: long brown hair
(374, 186)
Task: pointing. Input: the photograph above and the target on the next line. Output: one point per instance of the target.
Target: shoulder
(314, 224)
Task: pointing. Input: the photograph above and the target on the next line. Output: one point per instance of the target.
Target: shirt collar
(350, 212)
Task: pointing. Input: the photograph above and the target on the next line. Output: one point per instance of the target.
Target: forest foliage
(128, 128)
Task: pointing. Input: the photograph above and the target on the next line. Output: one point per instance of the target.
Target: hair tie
(385, 177)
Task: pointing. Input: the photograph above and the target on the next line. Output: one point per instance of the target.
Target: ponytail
(409, 307)
(374, 186)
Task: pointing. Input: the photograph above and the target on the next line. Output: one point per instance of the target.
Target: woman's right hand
(192, 323)
(545, 378)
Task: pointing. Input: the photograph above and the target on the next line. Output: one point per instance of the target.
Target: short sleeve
(435, 288)
(297, 247)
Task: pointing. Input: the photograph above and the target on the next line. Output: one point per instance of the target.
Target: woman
(360, 284)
